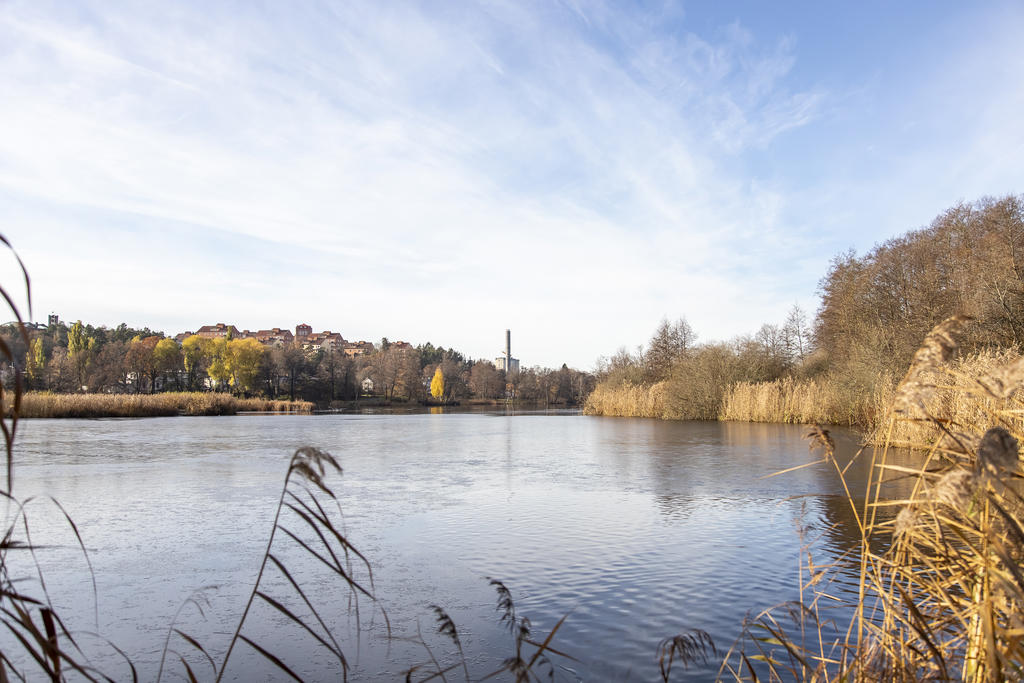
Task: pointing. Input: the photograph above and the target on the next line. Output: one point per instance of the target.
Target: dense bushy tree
(486, 381)
(875, 309)
(669, 343)
(408, 384)
(109, 370)
(195, 356)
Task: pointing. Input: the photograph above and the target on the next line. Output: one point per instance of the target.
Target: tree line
(875, 309)
(695, 375)
(86, 358)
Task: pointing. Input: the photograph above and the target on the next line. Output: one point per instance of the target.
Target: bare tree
(485, 381)
(289, 361)
(670, 342)
(796, 335)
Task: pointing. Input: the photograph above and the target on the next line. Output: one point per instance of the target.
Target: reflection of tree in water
(689, 464)
(685, 465)
(832, 531)
(676, 464)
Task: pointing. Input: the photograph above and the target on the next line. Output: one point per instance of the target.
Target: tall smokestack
(508, 350)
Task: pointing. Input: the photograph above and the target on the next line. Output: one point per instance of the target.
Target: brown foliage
(875, 309)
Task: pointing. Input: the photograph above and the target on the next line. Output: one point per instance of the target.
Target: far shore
(43, 404)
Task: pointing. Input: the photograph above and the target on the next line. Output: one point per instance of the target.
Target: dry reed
(788, 400)
(45, 404)
(627, 400)
(965, 393)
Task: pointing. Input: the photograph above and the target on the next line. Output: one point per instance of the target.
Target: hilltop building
(506, 362)
(358, 348)
(272, 337)
(304, 336)
(217, 331)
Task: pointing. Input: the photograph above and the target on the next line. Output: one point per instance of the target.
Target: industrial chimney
(508, 349)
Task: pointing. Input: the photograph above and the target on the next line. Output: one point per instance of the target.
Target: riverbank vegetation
(46, 404)
(841, 366)
(940, 591)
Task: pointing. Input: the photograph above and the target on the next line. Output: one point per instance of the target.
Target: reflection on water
(638, 529)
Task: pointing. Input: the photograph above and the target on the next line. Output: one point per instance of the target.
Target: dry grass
(45, 404)
(627, 400)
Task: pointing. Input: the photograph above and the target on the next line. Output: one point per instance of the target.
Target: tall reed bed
(826, 400)
(627, 400)
(941, 588)
(966, 392)
(786, 400)
(812, 401)
(44, 404)
(266, 405)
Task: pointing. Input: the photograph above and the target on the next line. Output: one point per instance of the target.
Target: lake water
(635, 529)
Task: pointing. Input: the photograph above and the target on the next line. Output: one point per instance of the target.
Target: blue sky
(442, 171)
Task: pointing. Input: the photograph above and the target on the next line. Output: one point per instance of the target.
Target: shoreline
(47, 405)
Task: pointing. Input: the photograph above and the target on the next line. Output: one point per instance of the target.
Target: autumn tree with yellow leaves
(244, 359)
(195, 356)
(437, 384)
(35, 362)
(220, 363)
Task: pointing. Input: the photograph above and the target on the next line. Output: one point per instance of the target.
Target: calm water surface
(637, 529)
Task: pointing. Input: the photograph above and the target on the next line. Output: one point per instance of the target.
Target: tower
(506, 362)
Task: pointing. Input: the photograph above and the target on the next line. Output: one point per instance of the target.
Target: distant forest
(84, 358)
(875, 310)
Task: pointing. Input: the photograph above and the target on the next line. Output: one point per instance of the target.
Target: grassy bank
(45, 404)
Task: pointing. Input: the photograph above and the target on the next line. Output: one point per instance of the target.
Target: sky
(573, 171)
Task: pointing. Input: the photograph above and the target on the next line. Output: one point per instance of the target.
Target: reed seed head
(818, 436)
(938, 348)
(998, 451)
(905, 521)
(941, 343)
(959, 442)
(1003, 382)
(912, 393)
(956, 489)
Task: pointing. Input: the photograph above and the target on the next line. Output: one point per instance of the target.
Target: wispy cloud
(572, 171)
